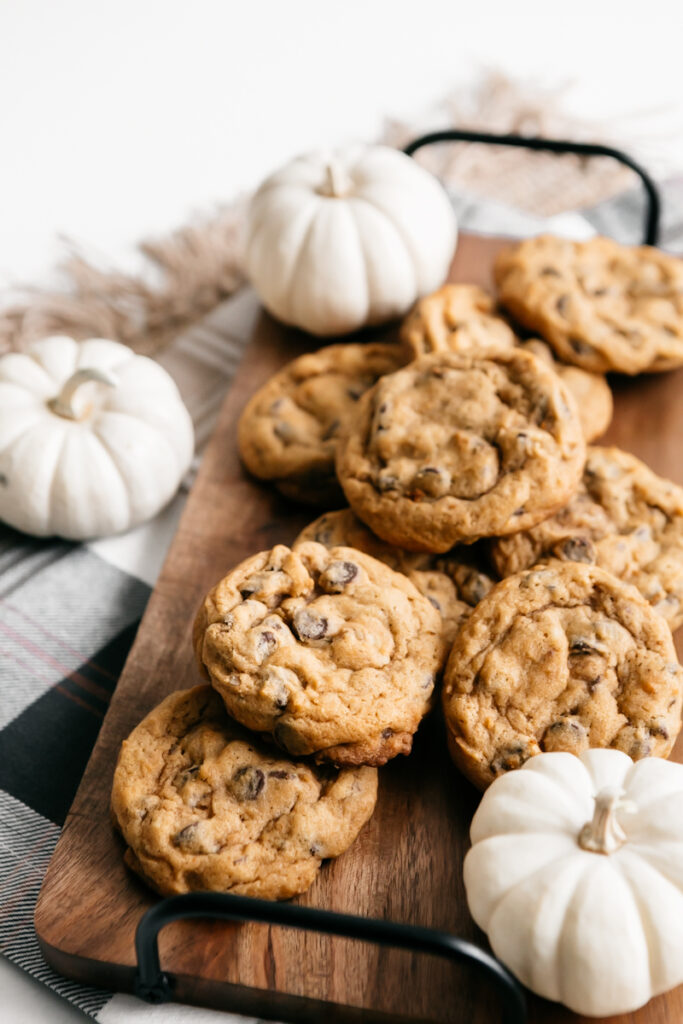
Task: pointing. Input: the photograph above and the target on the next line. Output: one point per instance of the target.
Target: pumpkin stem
(603, 834)
(337, 182)
(62, 404)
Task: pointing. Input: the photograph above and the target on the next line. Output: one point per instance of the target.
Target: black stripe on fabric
(44, 750)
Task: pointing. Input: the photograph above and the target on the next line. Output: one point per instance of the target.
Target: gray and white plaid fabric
(61, 655)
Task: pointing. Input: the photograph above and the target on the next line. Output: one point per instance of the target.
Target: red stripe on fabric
(86, 684)
(58, 639)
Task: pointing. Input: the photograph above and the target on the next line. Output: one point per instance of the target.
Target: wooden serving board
(407, 864)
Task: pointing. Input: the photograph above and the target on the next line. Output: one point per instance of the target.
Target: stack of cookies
(487, 547)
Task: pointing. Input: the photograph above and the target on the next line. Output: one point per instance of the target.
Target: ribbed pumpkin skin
(114, 466)
(331, 264)
(601, 933)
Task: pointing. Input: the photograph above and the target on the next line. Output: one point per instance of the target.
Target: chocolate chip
(331, 430)
(565, 734)
(640, 746)
(356, 391)
(386, 482)
(280, 773)
(285, 431)
(432, 481)
(186, 776)
(289, 738)
(561, 304)
(581, 347)
(657, 729)
(185, 838)
(337, 576)
(266, 643)
(576, 549)
(474, 587)
(550, 272)
(247, 783)
(508, 759)
(386, 733)
(582, 647)
(315, 849)
(565, 724)
(281, 698)
(433, 601)
(308, 626)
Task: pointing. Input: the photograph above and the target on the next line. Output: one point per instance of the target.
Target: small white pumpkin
(576, 876)
(339, 239)
(93, 438)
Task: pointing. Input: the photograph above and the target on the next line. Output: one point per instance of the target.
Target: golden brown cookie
(592, 392)
(453, 582)
(623, 518)
(601, 305)
(201, 805)
(456, 318)
(451, 449)
(288, 431)
(330, 651)
(562, 657)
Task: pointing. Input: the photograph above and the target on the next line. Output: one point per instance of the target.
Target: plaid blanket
(61, 655)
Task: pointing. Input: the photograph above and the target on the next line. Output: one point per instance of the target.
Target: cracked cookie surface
(453, 582)
(330, 651)
(592, 392)
(456, 318)
(563, 657)
(452, 448)
(601, 305)
(625, 519)
(288, 431)
(201, 806)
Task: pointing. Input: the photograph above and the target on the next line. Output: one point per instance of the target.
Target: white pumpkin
(576, 876)
(93, 438)
(344, 238)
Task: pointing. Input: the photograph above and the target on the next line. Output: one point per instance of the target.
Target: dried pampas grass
(195, 268)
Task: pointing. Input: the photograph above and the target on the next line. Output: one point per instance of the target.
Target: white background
(122, 119)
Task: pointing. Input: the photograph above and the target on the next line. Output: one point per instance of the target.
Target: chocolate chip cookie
(328, 650)
(601, 305)
(456, 318)
(452, 448)
(453, 582)
(623, 518)
(202, 806)
(562, 657)
(288, 431)
(592, 392)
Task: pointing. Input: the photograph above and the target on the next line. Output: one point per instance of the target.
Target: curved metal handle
(653, 206)
(153, 985)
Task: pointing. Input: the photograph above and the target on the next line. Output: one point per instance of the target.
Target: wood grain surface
(407, 863)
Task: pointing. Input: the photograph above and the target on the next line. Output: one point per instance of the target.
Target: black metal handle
(153, 985)
(653, 206)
